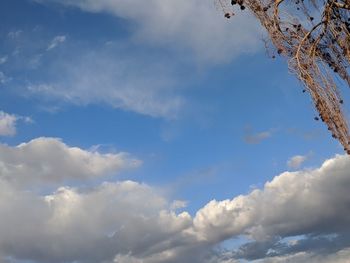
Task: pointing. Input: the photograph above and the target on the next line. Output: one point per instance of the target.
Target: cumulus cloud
(313, 202)
(56, 41)
(132, 222)
(49, 160)
(195, 25)
(90, 226)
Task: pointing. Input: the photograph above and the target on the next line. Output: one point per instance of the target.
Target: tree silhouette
(315, 37)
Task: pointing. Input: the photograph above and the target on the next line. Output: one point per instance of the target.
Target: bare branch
(316, 52)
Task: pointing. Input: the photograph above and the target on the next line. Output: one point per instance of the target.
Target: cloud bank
(297, 216)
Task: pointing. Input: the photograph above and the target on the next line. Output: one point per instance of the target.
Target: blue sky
(191, 97)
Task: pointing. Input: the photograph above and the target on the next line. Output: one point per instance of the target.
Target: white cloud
(195, 25)
(7, 124)
(296, 161)
(49, 160)
(56, 41)
(294, 203)
(131, 222)
(89, 226)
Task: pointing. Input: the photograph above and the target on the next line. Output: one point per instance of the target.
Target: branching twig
(313, 50)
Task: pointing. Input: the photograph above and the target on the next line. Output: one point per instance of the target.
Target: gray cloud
(312, 244)
(88, 226)
(339, 257)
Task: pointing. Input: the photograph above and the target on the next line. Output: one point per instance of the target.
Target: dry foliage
(315, 37)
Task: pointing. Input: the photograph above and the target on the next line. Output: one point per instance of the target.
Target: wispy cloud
(7, 124)
(142, 84)
(113, 75)
(3, 59)
(14, 34)
(56, 41)
(148, 83)
(3, 78)
(306, 135)
(297, 161)
(256, 138)
(194, 25)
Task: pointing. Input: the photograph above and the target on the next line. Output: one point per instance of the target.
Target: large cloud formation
(300, 216)
(312, 203)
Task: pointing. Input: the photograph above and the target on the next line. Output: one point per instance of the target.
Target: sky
(159, 132)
